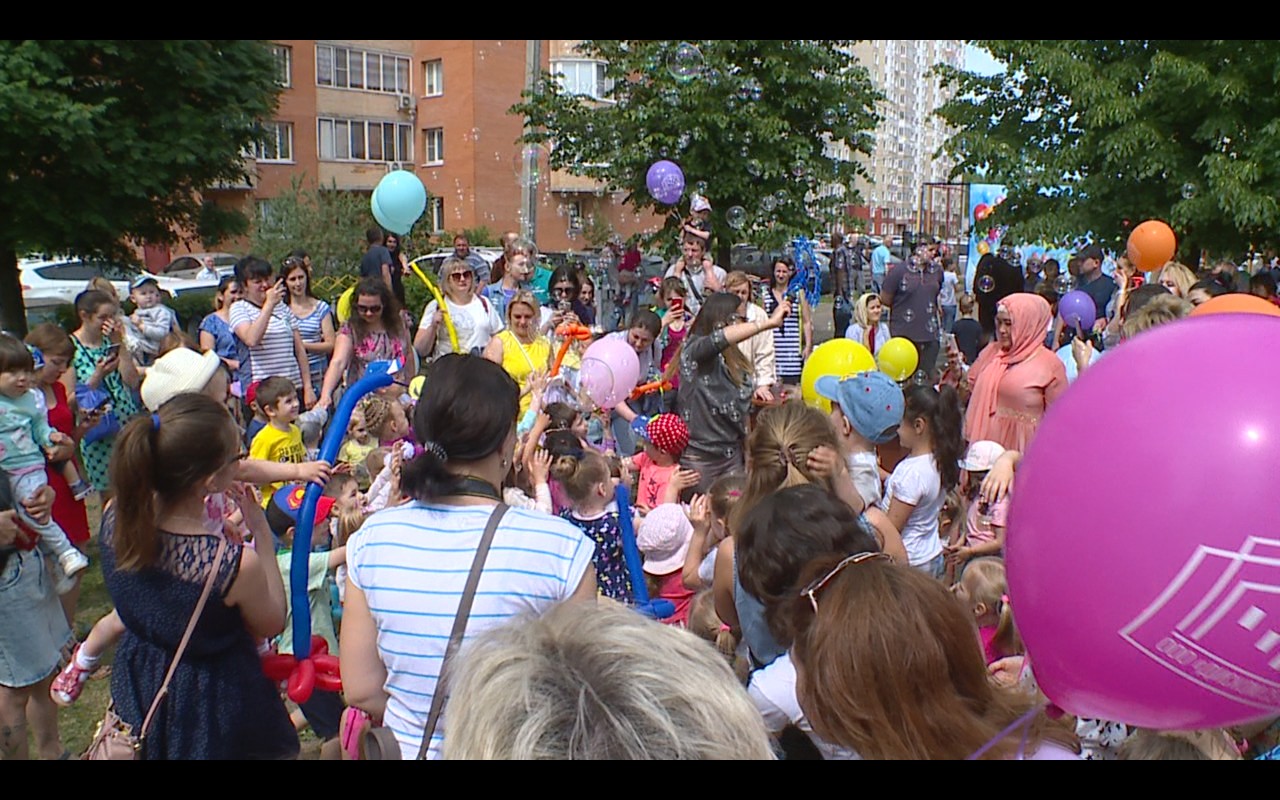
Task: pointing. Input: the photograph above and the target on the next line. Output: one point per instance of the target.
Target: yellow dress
(520, 360)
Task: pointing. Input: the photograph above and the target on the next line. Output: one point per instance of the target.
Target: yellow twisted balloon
(444, 307)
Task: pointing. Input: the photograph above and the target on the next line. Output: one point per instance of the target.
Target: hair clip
(1004, 598)
(435, 449)
(733, 494)
(155, 422)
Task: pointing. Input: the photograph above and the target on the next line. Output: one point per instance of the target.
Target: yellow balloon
(983, 248)
(416, 385)
(840, 357)
(899, 358)
(344, 305)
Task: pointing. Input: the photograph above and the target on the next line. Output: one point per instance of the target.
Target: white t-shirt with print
(773, 690)
(916, 481)
(475, 323)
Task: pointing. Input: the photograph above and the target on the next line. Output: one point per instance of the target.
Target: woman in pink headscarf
(1015, 377)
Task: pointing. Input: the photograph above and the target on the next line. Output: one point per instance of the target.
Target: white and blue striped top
(274, 355)
(412, 563)
(786, 341)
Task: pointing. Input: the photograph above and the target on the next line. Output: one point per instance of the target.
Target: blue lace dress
(220, 705)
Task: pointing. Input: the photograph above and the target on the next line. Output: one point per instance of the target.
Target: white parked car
(56, 281)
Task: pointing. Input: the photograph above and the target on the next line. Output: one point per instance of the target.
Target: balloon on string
(839, 357)
(1077, 310)
(610, 370)
(398, 201)
(1179, 641)
(1151, 245)
(665, 182)
(898, 358)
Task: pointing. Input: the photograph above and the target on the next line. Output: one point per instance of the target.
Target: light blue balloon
(398, 201)
(388, 221)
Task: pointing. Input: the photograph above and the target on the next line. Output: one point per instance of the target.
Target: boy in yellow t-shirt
(279, 440)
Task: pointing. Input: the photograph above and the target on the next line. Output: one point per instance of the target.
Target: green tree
(329, 223)
(750, 122)
(1098, 135)
(107, 141)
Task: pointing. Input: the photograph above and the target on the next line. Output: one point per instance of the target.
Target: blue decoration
(808, 277)
(654, 609)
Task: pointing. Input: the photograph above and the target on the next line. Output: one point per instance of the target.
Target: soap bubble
(537, 157)
(986, 284)
(685, 62)
(755, 168)
(1189, 191)
(736, 217)
(908, 316)
(768, 202)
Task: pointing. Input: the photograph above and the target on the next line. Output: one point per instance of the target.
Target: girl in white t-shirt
(914, 493)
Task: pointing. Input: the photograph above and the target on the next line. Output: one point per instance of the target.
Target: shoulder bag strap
(460, 625)
(186, 637)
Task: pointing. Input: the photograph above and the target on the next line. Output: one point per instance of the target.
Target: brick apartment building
(353, 109)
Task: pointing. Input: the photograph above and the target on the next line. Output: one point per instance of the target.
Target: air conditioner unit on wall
(404, 101)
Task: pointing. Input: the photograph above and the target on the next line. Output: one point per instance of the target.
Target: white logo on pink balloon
(1216, 623)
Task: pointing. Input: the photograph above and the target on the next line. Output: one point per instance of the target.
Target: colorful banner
(983, 238)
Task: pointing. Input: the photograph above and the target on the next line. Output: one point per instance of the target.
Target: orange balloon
(1151, 245)
(1236, 303)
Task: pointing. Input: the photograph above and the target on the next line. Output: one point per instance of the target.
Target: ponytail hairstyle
(985, 581)
(154, 465)
(467, 413)
(725, 494)
(941, 412)
(562, 416)
(579, 474)
(706, 624)
(778, 452)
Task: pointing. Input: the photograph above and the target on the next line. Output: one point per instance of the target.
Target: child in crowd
(664, 436)
(152, 318)
(931, 433)
(587, 482)
(967, 329)
(709, 516)
(280, 439)
(259, 420)
(675, 326)
(1214, 744)
(984, 591)
(389, 425)
(866, 410)
(538, 472)
(80, 488)
(347, 516)
(663, 539)
(984, 528)
(323, 710)
(356, 448)
(25, 439)
(706, 624)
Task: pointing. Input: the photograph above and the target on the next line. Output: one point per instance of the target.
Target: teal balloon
(398, 201)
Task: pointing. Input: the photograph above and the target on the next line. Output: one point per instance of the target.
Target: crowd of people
(822, 584)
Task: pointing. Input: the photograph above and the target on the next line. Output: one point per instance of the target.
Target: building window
(349, 68)
(583, 78)
(435, 213)
(266, 211)
(276, 144)
(434, 80)
(573, 210)
(361, 140)
(284, 64)
(435, 146)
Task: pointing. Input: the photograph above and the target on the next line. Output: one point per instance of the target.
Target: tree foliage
(329, 222)
(107, 141)
(1098, 135)
(751, 127)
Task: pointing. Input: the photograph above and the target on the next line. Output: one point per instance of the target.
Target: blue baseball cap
(871, 401)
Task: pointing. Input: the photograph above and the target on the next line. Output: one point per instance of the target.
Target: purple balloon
(1150, 593)
(1076, 308)
(665, 181)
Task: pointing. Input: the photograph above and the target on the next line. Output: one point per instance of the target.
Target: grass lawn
(76, 725)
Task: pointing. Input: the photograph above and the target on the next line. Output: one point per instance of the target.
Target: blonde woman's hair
(736, 278)
(526, 297)
(1159, 310)
(778, 452)
(587, 682)
(986, 582)
(1181, 274)
(860, 314)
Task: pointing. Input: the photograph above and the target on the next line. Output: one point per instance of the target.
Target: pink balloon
(615, 355)
(1143, 548)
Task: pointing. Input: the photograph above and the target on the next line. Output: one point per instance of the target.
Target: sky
(980, 61)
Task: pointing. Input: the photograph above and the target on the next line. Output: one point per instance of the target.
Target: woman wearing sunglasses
(475, 320)
(375, 332)
(857, 620)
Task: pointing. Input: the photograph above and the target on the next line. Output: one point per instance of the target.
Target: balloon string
(1022, 721)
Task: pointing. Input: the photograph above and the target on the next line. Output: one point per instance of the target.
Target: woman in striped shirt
(408, 565)
(263, 321)
(788, 351)
(315, 317)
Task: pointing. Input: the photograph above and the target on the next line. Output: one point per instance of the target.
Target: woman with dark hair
(716, 385)
(399, 265)
(102, 362)
(315, 317)
(375, 332)
(408, 565)
(993, 280)
(791, 348)
(216, 333)
(890, 666)
(563, 306)
(263, 321)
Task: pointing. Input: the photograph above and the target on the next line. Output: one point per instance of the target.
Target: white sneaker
(72, 562)
(62, 583)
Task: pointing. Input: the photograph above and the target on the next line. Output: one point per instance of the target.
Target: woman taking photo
(790, 348)
(408, 565)
(521, 351)
(1015, 378)
(375, 332)
(216, 333)
(563, 306)
(102, 362)
(716, 385)
(868, 328)
(475, 319)
(315, 317)
(263, 321)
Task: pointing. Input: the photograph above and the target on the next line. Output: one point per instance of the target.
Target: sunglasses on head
(369, 309)
(811, 591)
